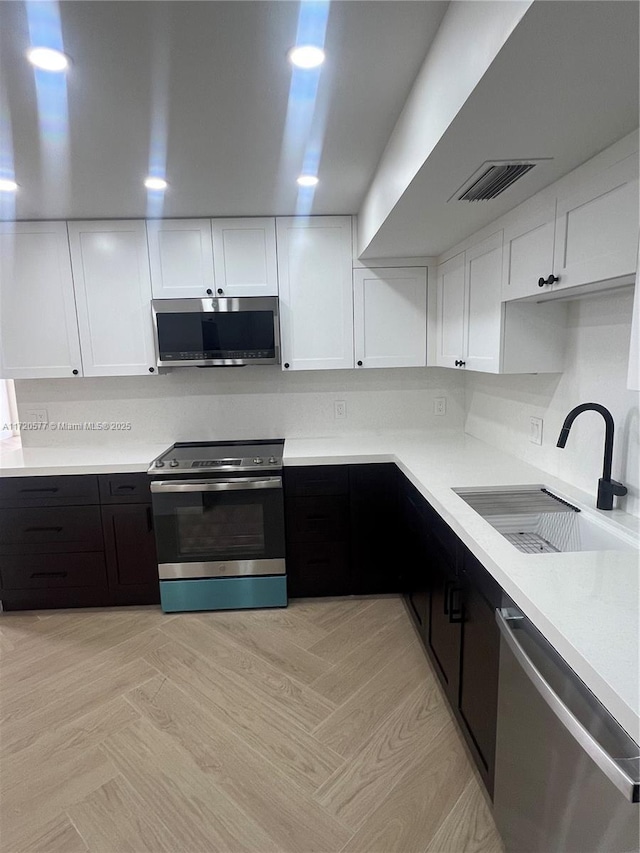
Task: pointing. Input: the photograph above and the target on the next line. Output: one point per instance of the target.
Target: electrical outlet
(340, 410)
(535, 430)
(440, 406)
(36, 416)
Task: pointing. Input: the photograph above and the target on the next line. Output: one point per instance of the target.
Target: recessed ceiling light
(307, 181)
(48, 59)
(306, 56)
(7, 185)
(152, 183)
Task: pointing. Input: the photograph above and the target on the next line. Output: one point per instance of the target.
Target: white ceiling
(564, 86)
(212, 81)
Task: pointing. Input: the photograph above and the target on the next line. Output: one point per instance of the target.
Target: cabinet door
(451, 316)
(38, 326)
(479, 678)
(181, 258)
(445, 616)
(130, 549)
(527, 254)
(416, 581)
(245, 257)
(597, 228)
(484, 306)
(113, 296)
(316, 301)
(390, 317)
(374, 542)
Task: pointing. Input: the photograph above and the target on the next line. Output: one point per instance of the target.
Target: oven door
(219, 528)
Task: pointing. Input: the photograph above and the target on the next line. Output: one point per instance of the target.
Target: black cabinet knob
(152, 370)
(286, 364)
(209, 291)
(220, 291)
(551, 280)
(359, 364)
(75, 372)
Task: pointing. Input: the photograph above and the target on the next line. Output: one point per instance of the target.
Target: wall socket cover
(340, 410)
(35, 416)
(535, 430)
(440, 406)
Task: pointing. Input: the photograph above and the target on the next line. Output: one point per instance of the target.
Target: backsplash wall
(498, 408)
(251, 402)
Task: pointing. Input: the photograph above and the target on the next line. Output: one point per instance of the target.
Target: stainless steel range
(219, 524)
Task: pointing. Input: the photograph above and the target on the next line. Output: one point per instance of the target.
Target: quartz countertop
(586, 603)
(50, 461)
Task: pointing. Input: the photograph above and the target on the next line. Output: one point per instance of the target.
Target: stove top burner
(217, 455)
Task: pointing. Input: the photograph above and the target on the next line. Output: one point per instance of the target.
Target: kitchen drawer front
(319, 569)
(53, 571)
(318, 519)
(317, 480)
(49, 491)
(124, 488)
(50, 530)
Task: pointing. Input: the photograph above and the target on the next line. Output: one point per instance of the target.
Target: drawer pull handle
(317, 518)
(49, 575)
(125, 488)
(51, 489)
(44, 529)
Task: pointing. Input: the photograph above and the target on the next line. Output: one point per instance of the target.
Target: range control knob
(258, 460)
(174, 463)
(159, 464)
(272, 460)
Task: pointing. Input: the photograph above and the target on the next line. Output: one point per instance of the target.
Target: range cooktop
(206, 457)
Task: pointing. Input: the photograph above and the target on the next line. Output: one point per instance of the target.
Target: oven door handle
(239, 484)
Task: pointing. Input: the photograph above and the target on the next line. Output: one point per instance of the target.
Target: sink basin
(537, 521)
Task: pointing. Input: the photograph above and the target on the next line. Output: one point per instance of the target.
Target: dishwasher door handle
(624, 783)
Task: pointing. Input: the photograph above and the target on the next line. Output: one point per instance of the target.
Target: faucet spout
(607, 487)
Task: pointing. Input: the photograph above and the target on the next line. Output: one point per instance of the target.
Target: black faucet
(607, 487)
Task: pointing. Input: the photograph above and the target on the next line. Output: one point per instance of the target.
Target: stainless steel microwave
(229, 332)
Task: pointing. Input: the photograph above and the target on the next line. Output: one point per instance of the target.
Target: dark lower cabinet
(445, 616)
(479, 660)
(60, 548)
(413, 542)
(373, 510)
(130, 551)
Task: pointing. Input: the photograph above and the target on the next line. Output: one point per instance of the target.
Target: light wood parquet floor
(316, 728)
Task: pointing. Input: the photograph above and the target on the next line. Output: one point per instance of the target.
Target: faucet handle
(618, 489)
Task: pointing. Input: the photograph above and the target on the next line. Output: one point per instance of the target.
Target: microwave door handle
(238, 485)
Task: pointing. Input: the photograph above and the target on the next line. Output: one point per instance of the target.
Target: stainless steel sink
(537, 521)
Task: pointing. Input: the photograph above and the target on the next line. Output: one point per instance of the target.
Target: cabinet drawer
(52, 571)
(48, 491)
(124, 488)
(50, 530)
(317, 480)
(319, 569)
(318, 519)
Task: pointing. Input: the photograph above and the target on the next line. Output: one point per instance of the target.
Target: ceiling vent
(493, 178)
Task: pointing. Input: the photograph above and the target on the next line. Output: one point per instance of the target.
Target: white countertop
(585, 603)
(49, 461)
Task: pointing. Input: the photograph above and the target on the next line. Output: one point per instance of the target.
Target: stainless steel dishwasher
(567, 775)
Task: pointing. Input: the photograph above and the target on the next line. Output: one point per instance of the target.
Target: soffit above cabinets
(564, 86)
(209, 83)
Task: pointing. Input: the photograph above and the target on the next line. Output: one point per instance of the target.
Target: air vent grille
(493, 179)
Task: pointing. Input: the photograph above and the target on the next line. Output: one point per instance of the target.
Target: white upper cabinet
(527, 254)
(451, 312)
(244, 252)
(483, 282)
(316, 303)
(477, 331)
(113, 297)
(181, 258)
(38, 328)
(597, 227)
(633, 378)
(390, 317)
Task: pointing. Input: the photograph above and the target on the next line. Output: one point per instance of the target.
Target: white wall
(498, 408)
(249, 402)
